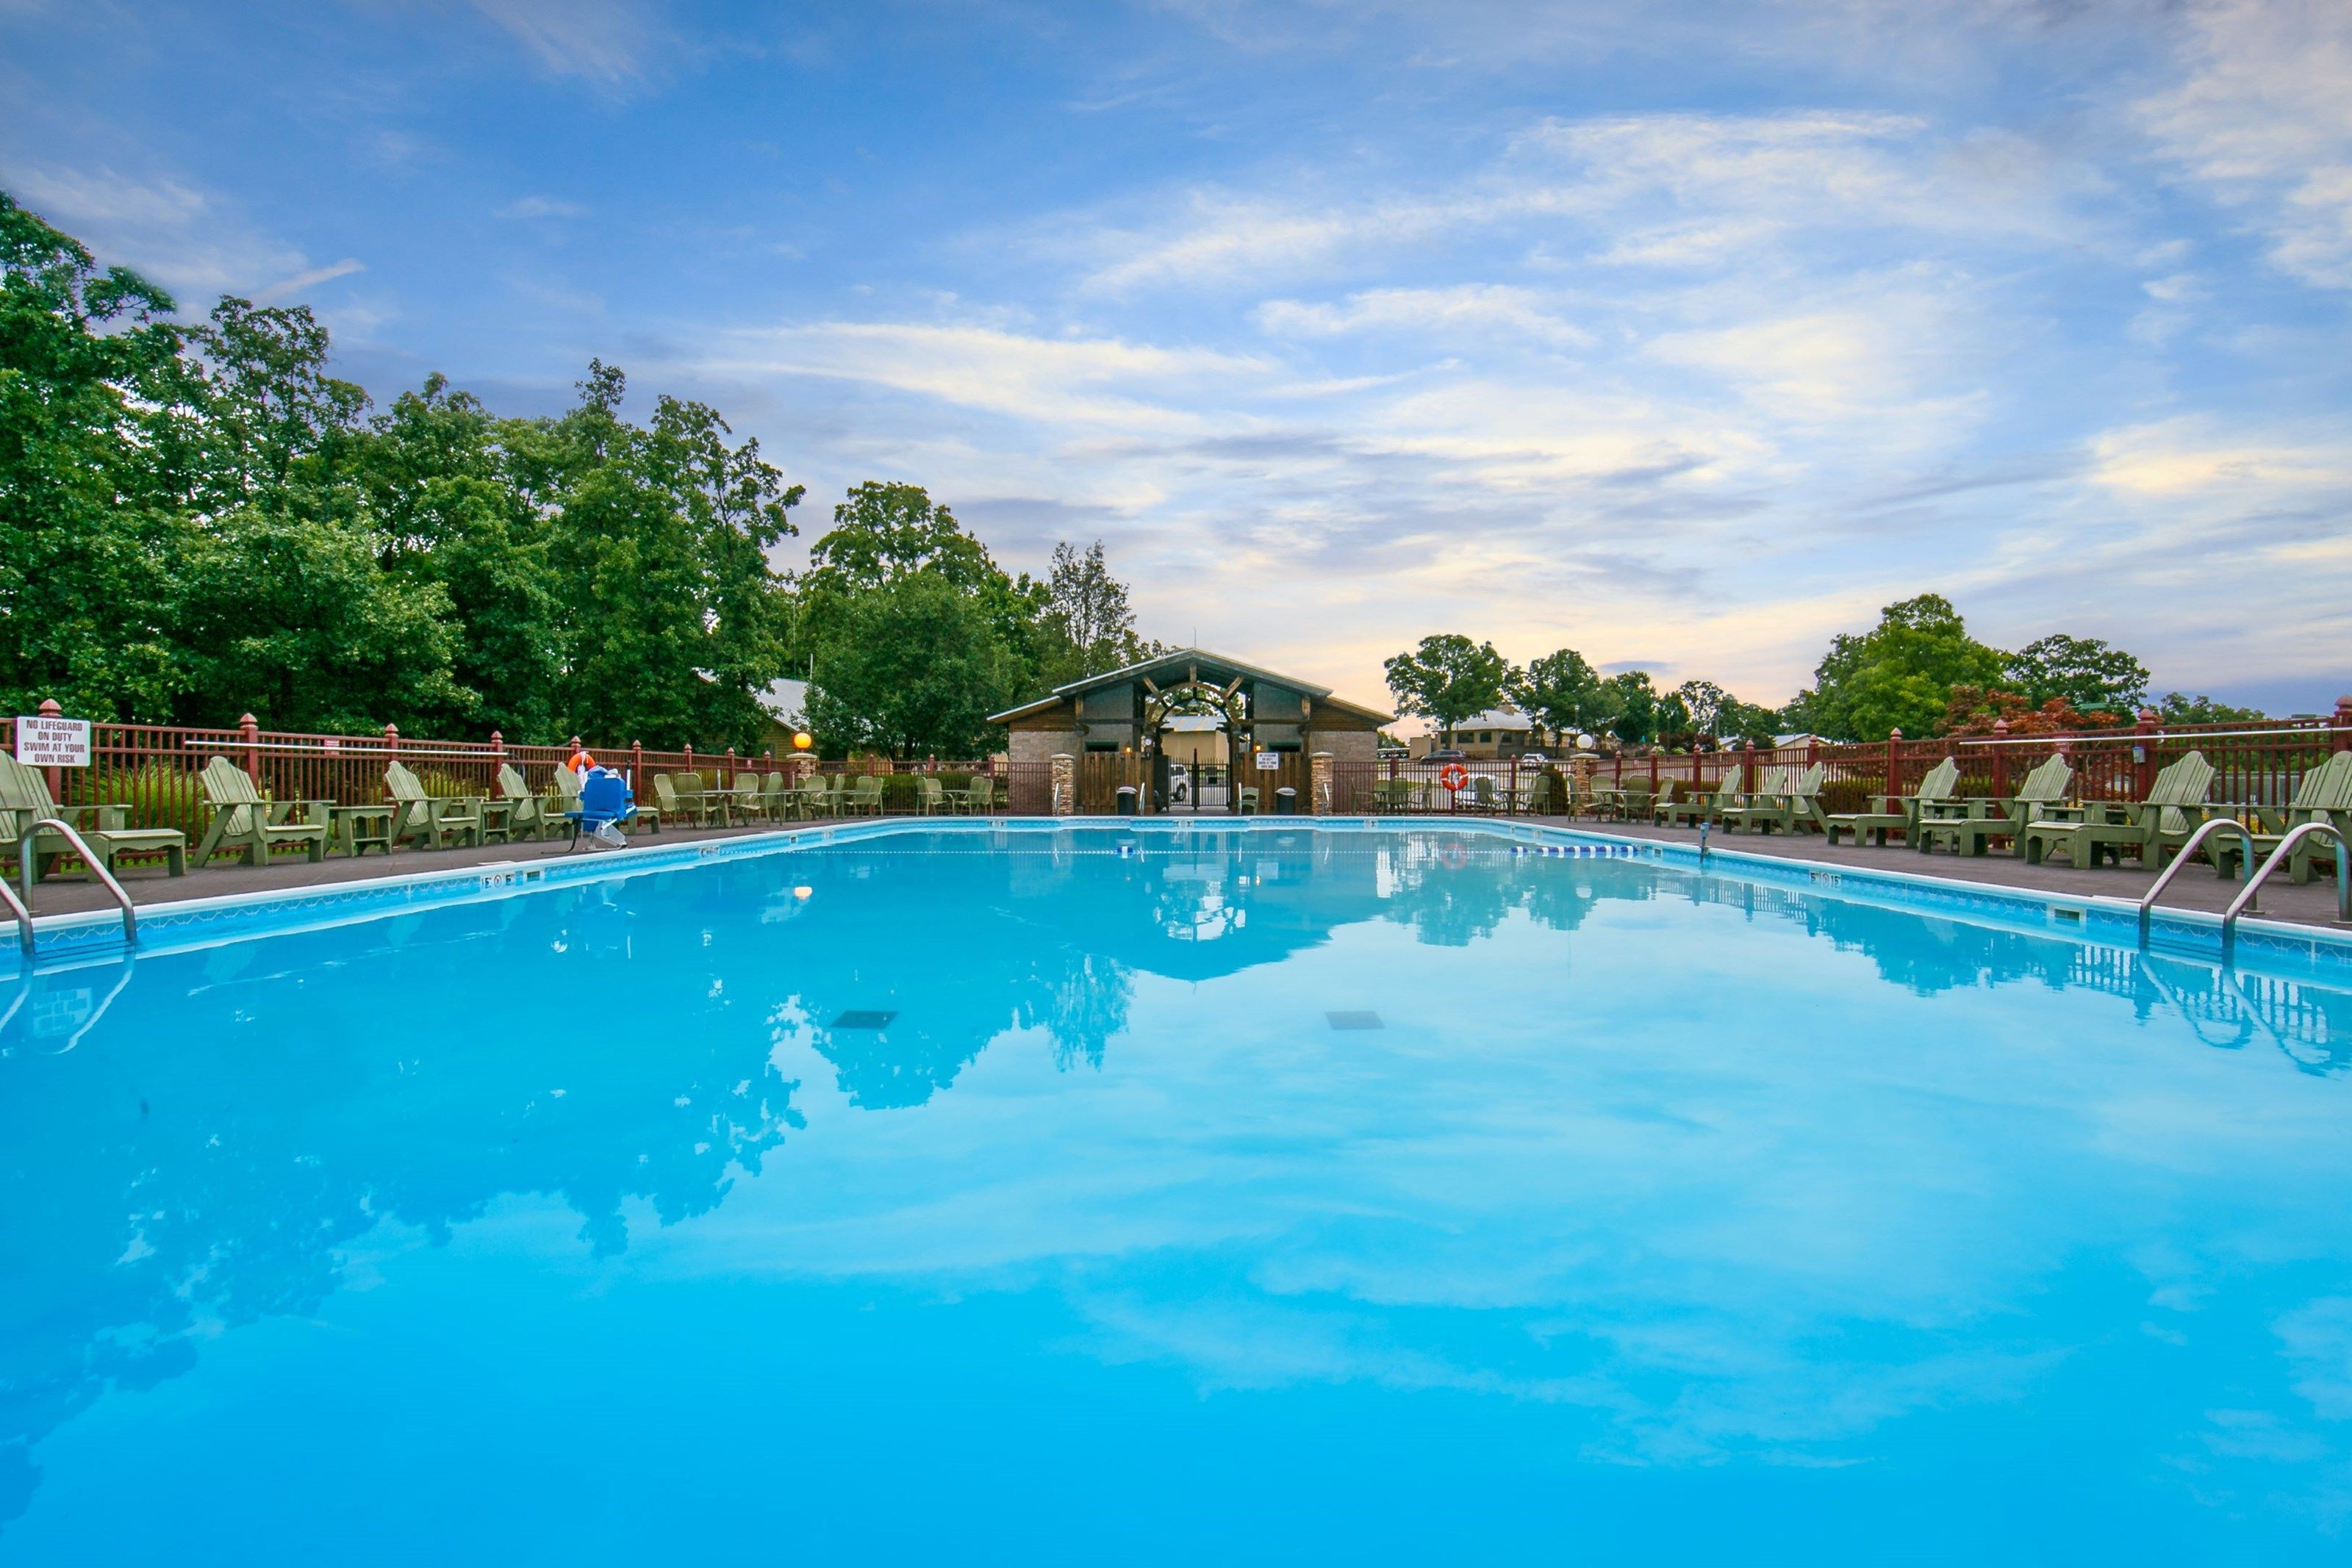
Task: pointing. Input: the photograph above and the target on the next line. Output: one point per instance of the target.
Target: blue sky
(1685, 335)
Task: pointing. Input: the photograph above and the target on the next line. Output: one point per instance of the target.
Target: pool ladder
(2245, 901)
(27, 856)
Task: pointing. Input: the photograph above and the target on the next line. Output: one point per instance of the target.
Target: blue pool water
(1260, 1196)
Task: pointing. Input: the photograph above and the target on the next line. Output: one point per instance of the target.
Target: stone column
(1581, 769)
(798, 767)
(1066, 784)
(1318, 784)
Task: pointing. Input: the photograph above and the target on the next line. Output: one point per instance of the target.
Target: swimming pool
(1148, 1195)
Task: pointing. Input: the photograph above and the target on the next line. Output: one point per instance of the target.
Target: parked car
(1451, 754)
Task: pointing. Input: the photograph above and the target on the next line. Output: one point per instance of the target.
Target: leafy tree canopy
(1562, 692)
(1898, 674)
(2179, 707)
(2084, 673)
(1448, 678)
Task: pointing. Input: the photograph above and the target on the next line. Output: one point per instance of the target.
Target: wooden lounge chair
(1898, 813)
(526, 814)
(242, 820)
(25, 800)
(429, 820)
(1793, 806)
(2044, 789)
(2323, 794)
(2101, 831)
(1695, 808)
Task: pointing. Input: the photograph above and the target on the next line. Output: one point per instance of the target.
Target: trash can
(1285, 801)
(1127, 799)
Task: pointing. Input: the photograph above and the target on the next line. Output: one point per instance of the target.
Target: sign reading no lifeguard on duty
(53, 742)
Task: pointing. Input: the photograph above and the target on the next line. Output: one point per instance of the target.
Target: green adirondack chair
(1705, 806)
(2322, 794)
(1793, 805)
(2103, 830)
(1898, 813)
(25, 800)
(527, 816)
(2045, 789)
(242, 820)
(426, 820)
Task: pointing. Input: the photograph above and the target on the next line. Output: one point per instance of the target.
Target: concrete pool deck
(2197, 888)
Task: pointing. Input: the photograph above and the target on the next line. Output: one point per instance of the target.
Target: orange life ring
(1453, 776)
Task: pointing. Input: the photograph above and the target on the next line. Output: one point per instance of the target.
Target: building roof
(1497, 718)
(1188, 666)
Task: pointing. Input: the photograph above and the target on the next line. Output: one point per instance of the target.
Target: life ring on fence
(1453, 776)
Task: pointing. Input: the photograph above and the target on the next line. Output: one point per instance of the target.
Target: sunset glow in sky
(1683, 334)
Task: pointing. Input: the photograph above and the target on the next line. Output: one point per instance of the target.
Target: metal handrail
(2313, 828)
(2189, 852)
(16, 907)
(89, 858)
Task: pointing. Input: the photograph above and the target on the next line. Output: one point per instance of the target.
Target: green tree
(1898, 674)
(89, 526)
(1633, 701)
(2087, 675)
(1448, 678)
(910, 668)
(1561, 692)
(1088, 627)
(2179, 707)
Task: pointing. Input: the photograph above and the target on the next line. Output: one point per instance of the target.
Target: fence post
(637, 761)
(1747, 765)
(49, 709)
(730, 767)
(2001, 758)
(2342, 740)
(1894, 761)
(391, 742)
(1654, 773)
(689, 757)
(498, 757)
(248, 733)
(2144, 753)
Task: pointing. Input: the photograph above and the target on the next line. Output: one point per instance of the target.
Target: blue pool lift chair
(604, 808)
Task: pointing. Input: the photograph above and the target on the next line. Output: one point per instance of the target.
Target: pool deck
(2197, 888)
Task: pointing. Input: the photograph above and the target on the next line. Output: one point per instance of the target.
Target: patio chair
(1989, 818)
(25, 800)
(1897, 813)
(1248, 800)
(2101, 831)
(240, 819)
(1792, 806)
(2323, 794)
(1695, 809)
(527, 816)
(1484, 797)
(426, 820)
(777, 790)
(864, 796)
(811, 799)
(747, 802)
(930, 796)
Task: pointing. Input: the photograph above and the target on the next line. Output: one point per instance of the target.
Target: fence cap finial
(2000, 727)
(1895, 734)
(247, 721)
(392, 729)
(497, 738)
(49, 708)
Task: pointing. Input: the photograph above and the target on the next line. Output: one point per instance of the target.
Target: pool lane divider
(68, 940)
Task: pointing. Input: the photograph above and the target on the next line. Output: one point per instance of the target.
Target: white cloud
(287, 289)
(168, 230)
(2262, 116)
(604, 41)
(543, 207)
(1479, 306)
